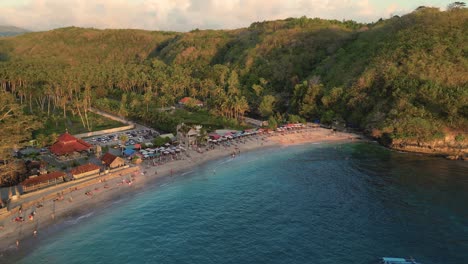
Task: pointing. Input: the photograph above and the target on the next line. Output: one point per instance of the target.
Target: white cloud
(179, 15)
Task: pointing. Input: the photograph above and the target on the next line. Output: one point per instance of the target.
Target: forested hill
(11, 31)
(404, 79)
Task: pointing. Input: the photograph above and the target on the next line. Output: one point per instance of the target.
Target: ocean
(320, 203)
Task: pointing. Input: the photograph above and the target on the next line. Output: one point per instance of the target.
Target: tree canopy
(390, 75)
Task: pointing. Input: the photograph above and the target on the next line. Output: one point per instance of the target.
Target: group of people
(20, 219)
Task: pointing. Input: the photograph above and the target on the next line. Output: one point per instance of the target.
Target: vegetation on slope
(411, 80)
(403, 78)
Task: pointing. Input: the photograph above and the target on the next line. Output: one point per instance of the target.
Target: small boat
(387, 260)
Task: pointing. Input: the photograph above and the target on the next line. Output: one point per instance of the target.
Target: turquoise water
(342, 203)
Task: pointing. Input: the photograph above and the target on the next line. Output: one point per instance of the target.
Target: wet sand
(81, 202)
(312, 135)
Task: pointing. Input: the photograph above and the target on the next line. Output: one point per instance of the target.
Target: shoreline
(53, 216)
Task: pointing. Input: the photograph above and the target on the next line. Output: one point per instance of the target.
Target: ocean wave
(187, 172)
(225, 161)
(75, 221)
(117, 202)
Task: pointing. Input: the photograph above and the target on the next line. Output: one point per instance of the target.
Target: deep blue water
(339, 203)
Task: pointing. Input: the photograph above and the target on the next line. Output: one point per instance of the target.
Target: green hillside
(404, 75)
(6, 31)
(404, 78)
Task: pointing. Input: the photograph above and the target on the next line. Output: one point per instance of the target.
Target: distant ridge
(6, 31)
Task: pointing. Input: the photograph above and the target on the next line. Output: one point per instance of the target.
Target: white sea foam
(75, 221)
(118, 201)
(225, 161)
(187, 172)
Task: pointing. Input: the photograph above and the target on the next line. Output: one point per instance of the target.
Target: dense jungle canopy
(398, 78)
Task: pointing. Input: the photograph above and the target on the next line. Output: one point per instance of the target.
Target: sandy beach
(16, 237)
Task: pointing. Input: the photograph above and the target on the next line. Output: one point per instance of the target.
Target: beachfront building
(111, 161)
(169, 136)
(255, 122)
(39, 182)
(68, 145)
(189, 101)
(85, 170)
(188, 135)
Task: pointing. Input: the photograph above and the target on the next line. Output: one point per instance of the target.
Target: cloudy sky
(184, 15)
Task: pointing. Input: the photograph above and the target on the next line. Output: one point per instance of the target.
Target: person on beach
(17, 243)
(35, 233)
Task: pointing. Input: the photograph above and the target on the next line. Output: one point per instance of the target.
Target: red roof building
(190, 100)
(38, 182)
(85, 170)
(67, 144)
(112, 161)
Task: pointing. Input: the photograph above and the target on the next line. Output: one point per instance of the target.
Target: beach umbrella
(214, 136)
(166, 152)
(129, 152)
(167, 144)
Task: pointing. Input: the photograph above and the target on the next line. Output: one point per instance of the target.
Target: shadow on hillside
(283, 57)
(284, 42)
(160, 50)
(4, 57)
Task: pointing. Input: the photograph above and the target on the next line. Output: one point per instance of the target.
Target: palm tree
(243, 106)
(53, 138)
(41, 140)
(202, 136)
(147, 97)
(183, 129)
(123, 138)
